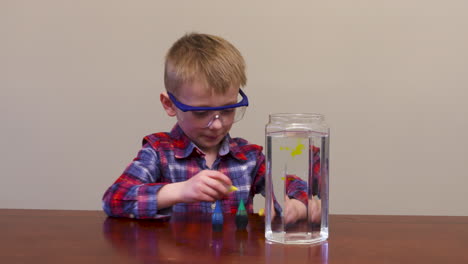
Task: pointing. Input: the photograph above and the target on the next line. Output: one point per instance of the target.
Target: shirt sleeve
(133, 194)
(297, 188)
(258, 185)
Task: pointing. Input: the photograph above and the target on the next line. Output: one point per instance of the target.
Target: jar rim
(300, 115)
(297, 116)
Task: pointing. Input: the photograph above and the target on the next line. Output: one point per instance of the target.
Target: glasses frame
(185, 108)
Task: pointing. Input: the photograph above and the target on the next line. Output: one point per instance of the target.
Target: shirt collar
(184, 147)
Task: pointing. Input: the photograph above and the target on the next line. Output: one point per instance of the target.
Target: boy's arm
(133, 194)
(140, 193)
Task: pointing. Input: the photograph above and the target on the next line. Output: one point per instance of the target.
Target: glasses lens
(240, 111)
(227, 116)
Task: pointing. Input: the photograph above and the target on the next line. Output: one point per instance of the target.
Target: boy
(198, 162)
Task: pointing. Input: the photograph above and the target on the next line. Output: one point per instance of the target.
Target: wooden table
(48, 236)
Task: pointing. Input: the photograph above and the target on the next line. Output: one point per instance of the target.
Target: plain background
(80, 84)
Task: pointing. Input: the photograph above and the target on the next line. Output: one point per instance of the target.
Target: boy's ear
(167, 104)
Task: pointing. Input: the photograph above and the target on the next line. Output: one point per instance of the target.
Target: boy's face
(197, 94)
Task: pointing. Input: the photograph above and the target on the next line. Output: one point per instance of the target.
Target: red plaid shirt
(172, 157)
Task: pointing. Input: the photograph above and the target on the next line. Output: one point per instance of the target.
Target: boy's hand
(207, 185)
(294, 210)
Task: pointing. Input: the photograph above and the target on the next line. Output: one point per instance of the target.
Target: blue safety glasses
(185, 108)
(205, 116)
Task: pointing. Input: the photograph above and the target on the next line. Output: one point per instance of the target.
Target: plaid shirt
(172, 157)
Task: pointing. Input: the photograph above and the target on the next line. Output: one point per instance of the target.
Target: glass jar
(296, 202)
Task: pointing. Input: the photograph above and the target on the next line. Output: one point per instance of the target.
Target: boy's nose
(216, 122)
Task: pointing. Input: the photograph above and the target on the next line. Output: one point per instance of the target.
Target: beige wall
(80, 82)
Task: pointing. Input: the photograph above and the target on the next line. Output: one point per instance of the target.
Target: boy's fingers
(219, 176)
(217, 186)
(210, 195)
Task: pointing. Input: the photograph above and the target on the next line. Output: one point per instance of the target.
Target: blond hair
(206, 58)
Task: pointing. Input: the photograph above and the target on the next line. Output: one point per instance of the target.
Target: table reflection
(183, 236)
(190, 238)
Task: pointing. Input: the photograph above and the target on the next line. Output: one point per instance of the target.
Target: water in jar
(296, 187)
